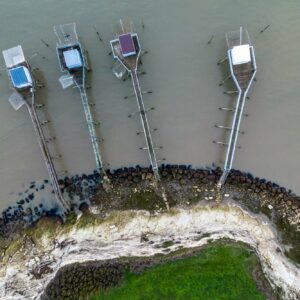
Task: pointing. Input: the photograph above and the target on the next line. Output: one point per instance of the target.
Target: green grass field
(217, 272)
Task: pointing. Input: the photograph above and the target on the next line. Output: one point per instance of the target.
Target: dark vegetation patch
(167, 244)
(145, 200)
(289, 233)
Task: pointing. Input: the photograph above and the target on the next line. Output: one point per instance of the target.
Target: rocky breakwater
(185, 186)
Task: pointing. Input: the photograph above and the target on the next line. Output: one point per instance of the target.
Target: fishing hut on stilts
(242, 64)
(22, 81)
(73, 61)
(126, 51)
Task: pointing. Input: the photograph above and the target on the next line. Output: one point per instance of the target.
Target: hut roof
(127, 45)
(72, 58)
(20, 77)
(240, 54)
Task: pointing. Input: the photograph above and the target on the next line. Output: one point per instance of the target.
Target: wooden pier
(242, 64)
(68, 43)
(126, 49)
(24, 87)
(45, 151)
(145, 124)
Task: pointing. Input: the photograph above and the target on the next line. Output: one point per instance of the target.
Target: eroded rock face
(138, 233)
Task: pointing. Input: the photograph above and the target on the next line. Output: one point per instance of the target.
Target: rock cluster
(267, 192)
(84, 279)
(28, 209)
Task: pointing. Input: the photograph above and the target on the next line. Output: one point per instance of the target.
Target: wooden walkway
(45, 151)
(131, 64)
(79, 76)
(79, 80)
(143, 115)
(243, 74)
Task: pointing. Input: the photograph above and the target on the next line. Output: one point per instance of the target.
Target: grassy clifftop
(219, 271)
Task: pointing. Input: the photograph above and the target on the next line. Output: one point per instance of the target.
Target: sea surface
(182, 74)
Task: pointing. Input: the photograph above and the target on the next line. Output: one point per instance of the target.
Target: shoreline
(81, 188)
(134, 188)
(258, 213)
(123, 234)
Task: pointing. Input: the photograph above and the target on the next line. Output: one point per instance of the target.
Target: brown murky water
(182, 73)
